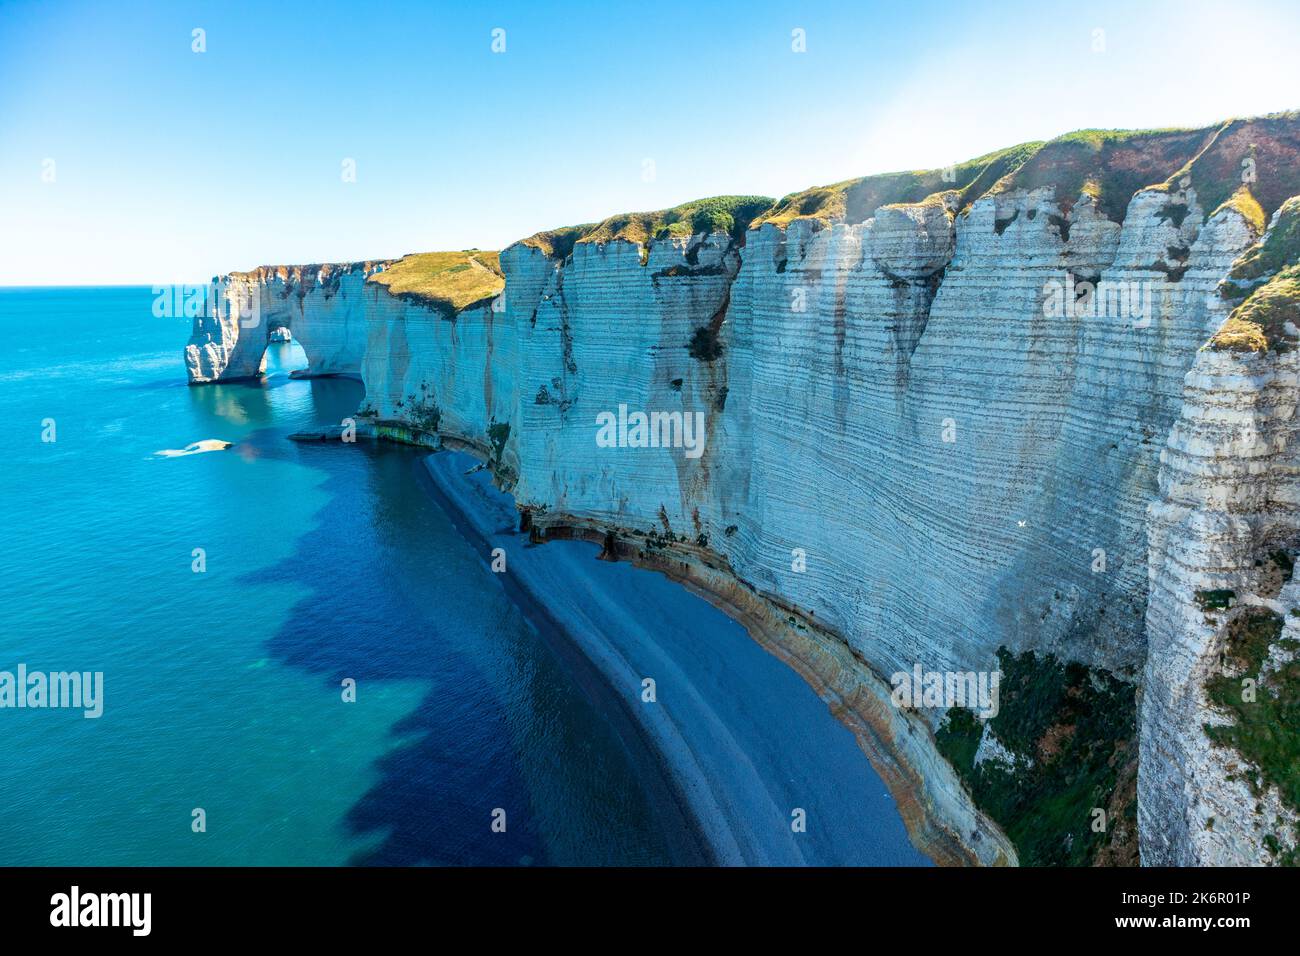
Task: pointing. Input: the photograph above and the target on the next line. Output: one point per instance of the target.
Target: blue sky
(171, 165)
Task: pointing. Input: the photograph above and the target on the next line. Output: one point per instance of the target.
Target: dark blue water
(222, 688)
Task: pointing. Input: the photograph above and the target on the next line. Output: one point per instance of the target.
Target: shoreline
(735, 764)
(942, 822)
(686, 844)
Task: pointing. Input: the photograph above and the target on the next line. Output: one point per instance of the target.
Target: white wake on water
(195, 448)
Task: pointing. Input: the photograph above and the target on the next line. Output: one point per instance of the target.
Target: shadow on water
(393, 594)
(438, 786)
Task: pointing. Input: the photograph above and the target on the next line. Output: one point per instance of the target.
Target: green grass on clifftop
(1267, 279)
(855, 200)
(1279, 248)
(728, 214)
(1260, 323)
(1108, 165)
(1251, 165)
(1257, 157)
(558, 243)
(449, 281)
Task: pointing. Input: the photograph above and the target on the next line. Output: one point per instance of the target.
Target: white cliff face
(601, 331)
(442, 376)
(1223, 532)
(962, 466)
(891, 399)
(215, 351)
(1228, 500)
(426, 373)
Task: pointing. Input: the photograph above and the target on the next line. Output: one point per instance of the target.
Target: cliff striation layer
(1221, 713)
(908, 420)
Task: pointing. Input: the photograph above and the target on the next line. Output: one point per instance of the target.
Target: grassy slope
(729, 214)
(1259, 154)
(449, 281)
(857, 199)
(1259, 323)
(1110, 165)
(1266, 278)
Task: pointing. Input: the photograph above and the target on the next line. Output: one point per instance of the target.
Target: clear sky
(171, 165)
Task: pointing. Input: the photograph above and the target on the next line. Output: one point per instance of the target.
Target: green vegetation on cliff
(558, 243)
(1259, 323)
(1251, 165)
(1246, 164)
(1245, 203)
(1267, 280)
(1265, 727)
(1257, 157)
(1072, 732)
(1278, 249)
(448, 281)
(498, 435)
(421, 411)
(857, 199)
(1108, 165)
(728, 214)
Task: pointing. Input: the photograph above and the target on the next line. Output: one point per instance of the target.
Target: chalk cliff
(1222, 683)
(933, 406)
